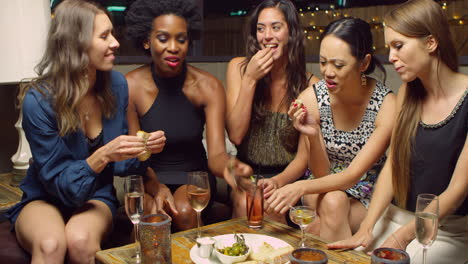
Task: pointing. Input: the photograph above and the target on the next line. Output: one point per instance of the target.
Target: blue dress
(59, 173)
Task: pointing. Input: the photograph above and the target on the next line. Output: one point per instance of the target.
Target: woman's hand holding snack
(260, 64)
(303, 121)
(156, 142)
(124, 147)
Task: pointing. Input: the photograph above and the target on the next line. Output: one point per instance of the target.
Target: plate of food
(262, 249)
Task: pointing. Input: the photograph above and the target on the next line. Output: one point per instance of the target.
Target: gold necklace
(85, 112)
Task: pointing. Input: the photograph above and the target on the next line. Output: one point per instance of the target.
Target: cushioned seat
(10, 251)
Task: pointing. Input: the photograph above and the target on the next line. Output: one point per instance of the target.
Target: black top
(183, 125)
(95, 143)
(435, 155)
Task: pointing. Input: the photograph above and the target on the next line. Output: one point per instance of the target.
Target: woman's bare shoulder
(312, 78)
(203, 81)
(138, 77)
(200, 75)
(236, 60)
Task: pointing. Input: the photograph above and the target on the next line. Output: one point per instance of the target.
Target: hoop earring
(363, 79)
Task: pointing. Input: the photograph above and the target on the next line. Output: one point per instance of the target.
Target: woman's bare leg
(238, 204)
(356, 214)
(86, 229)
(187, 217)
(333, 209)
(40, 230)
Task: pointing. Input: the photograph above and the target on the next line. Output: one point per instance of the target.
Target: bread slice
(147, 153)
(266, 254)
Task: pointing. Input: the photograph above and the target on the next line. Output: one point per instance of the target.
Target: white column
(24, 25)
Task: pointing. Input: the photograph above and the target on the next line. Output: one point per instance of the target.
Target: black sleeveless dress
(183, 125)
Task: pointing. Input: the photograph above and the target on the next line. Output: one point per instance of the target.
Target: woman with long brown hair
(74, 117)
(429, 149)
(260, 88)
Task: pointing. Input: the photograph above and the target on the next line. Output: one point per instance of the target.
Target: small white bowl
(225, 259)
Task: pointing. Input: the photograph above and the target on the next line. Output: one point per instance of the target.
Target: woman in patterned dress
(347, 119)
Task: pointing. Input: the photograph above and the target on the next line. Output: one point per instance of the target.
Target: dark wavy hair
(139, 18)
(357, 33)
(296, 66)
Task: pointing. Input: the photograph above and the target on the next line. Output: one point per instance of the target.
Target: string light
(316, 26)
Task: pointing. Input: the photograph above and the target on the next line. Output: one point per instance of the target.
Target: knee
(81, 246)
(182, 203)
(52, 247)
(333, 206)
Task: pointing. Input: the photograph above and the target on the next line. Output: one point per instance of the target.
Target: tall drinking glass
(427, 220)
(198, 193)
(302, 216)
(134, 192)
(254, 201)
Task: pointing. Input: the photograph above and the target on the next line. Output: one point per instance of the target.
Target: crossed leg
(339, 214)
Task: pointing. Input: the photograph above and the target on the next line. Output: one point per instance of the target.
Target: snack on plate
(266, 254)
(147, 153)
(237, 249)
(298, 102)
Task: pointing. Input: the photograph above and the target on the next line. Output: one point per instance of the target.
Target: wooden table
(182, 242)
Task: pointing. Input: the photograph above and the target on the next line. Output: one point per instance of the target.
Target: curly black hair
(139, 18)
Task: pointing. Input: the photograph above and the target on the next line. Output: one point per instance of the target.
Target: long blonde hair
(416, 19)
(63, 69)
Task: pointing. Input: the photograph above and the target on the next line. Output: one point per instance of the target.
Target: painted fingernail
(295, 105)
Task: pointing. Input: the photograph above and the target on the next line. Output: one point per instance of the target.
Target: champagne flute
(134, 192)
(302, 216)
(427, 219)
(198, 193)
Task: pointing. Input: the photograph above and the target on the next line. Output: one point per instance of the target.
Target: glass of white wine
(198, 193)
(427, 220)
(134, 192)
(302, 216)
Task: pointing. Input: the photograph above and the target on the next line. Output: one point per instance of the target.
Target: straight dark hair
(295, 67)
(357, 34)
